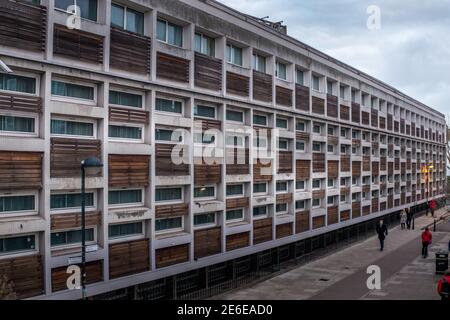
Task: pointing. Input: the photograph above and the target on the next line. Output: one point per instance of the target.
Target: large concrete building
(303, 144)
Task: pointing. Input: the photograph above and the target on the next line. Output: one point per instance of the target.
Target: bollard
(434, 225)
(413, 223)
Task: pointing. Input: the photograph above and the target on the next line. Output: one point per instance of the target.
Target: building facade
(220, 136)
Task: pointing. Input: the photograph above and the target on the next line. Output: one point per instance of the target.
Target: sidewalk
(342, 275)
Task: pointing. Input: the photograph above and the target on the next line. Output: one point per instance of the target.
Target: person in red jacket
(432, 205)
(444, 286)
(426, 241)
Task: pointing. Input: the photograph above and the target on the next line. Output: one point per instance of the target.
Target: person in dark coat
(382, 233)
(408, 218)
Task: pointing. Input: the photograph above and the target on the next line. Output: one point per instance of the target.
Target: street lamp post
(89, 164)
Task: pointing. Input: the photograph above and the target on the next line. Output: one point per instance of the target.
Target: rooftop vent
(277, 26)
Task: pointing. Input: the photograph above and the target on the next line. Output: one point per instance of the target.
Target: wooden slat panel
(374, 118)
(20, 170)
(344, 112)
(262, 86)
(375, 168)
(207, 173)
(20, 102)
(318, 105)
(235, 158)
(356, 168)
(318, 194)
(365, 118)
(94, 273)
(164, 166)
(333, 169)
(345, 215)
(332, 106)
(366, 210)
(237, 203)
(383, 162)
(284, 162)
(382, 206)
(283, 230)
(207, 242)
(302, 221)
(318, 222)
(332, 215)
(389, 121)
(127, 258)
(25, 274)
(73, 220)
(366, 163)
(207, 124)
(172, 255)
(283, 96)
(284, 198)
(345, 163)
(77, 44)
(300, 135)
(356, 112)
(237, 241)
(374, 205)
(67, 154)
(23, 25)
(128, 115)
(129, 51)
(237, 84)
(303, 169)
(301, 97)
(172, 68)
(356, 210)
(207, 72)
(262, 230)
(382, 122)
(128, 170)
(262, 171)
(171, 210)
(318, 162)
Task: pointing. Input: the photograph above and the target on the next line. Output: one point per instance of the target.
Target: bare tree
(6, 289)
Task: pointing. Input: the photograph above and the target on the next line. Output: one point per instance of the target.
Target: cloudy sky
(410, 51)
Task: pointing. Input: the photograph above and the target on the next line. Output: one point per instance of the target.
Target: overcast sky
(411, 50)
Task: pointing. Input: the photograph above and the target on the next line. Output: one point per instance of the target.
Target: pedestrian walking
(408, 218)
(403, 218)
(444, 286)
(426, 241)
(382, 233)
(432, 207)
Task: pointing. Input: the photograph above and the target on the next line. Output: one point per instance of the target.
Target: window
(282, 186)
(343, 149)
(17, 244)
(330, 201)
(300, 126)
(330, 183)
(205, 219)
(330, 131)
(236, 141)
(70, 200)
(16, 124)
(353, 96)
(355, 197)
(71, 128)
(282, 123)
(300, 77)
(125, 99)
(260, 119)
(300, 146)
(125, 230)
(234, 55)
(169, 224)
(116, 197)
(316, 184)
(316, 203)
(71, 90)
(282, 144)
(125, 132)
(236, 116)
(204, 111)
(88, 8)
(344, 133)
(317, 147)
(300, 184)
(342, 92)
(281, 70)
(343, 198)
(354, 181)
(169, 33)
(17, 203)
(168, 135)
(300, 205)
(126, 18)
(259, 211)
(343, 182)
(167, 105)
(260, 187)
(317, 128)
(235, 190)
(259, 63)
(10, 82)
(205, 192)
(315, 83)
(281, 208)
(70, 237)
(330, 148)
(329, 87)
(234, 215)
(204, 138)
(169, 194)
(204, 44)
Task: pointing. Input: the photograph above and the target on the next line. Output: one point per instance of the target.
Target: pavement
(342, 275)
